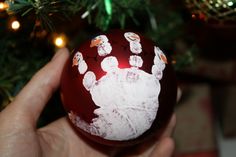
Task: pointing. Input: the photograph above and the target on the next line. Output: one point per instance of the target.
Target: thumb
(165, 148)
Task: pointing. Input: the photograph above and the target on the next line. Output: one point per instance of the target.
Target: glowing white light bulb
(230, 3)
(3, 5)
(15, 25)
(60, 41)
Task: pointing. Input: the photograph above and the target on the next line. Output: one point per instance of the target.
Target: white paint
(127, 99)
(126, 109)
(82, 67)
(159, 64)
(103, 45)
(135, 47)
(136, 61)
(109, 64)
(157, 72)
(78, 60)
(159, 55)
(134, 41)
(89, 80)
(132, 37)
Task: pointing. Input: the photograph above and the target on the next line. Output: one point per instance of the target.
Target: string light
(174, 61)
(230, 3)
(15, 25)
(60, 41)
(3, 6)
(217, 10)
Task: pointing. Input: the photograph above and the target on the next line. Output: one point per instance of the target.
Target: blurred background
(199, 36)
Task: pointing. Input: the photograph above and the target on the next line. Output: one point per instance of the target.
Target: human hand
(19, 136)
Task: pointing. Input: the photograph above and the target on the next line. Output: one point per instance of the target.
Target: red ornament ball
(118, 88)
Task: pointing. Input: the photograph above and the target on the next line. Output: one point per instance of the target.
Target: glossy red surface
(77, 99)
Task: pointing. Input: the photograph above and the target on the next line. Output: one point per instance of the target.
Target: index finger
(29, 103)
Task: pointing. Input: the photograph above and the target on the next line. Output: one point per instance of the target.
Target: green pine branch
(105, 11)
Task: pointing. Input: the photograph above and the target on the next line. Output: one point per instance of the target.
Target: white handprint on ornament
(134, 41)
(159, 63)
(127, 99)
(79, 61)
(101, 42)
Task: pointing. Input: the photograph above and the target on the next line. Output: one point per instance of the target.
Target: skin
(19, 136)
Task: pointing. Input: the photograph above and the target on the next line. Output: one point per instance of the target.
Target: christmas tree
(31, 30)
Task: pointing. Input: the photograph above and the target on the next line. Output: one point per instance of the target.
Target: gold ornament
(220, 11)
